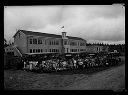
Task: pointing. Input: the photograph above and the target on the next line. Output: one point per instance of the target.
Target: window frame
(30, 41)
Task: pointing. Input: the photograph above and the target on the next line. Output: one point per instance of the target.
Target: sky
(94, 23)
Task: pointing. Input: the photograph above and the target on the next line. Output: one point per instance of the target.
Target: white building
(36, 42)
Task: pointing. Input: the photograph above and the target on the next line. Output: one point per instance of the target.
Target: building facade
(9, 49)
(96, 49)
(36, 42)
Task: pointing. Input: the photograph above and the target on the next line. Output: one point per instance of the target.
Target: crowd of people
(68, 62)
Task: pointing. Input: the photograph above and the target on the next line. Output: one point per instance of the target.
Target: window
(65, 42)
(57, 42)
(74, 50)
(81, 49)
(73, 43)
(41, 50)
(34, 41)
(52, 42)
(33, 50)
(30, 50)
(38, 50)
(49, 42)
(82, 44)
(45, 42)
(78, 43)
(39, 41)
(30, 41)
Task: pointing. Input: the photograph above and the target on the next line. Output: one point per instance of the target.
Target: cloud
(103, 23)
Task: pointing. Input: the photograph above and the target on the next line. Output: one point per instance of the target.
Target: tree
(5, 43)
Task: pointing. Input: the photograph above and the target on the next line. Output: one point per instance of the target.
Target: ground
(109, 79)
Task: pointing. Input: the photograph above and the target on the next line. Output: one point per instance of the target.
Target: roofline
(17, 32)
(46, 33)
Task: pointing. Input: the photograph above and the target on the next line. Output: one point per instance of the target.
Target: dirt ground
(109, 79)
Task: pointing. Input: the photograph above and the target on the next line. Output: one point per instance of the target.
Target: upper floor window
(82, 44)
(45, 42)
(54, 43)
(73, 43)
(65, 42)
(30, 41)
(50, 43)
(34, 41)
(39, 41)
(57, 42)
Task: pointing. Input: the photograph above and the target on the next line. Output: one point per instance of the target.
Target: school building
(36, 42)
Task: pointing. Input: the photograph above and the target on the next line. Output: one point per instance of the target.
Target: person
(24, 65)
(64, 64)
(74, 62)
(30, 66)
(80, 64)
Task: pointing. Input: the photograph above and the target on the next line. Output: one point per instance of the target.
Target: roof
(10, 46)
(47, 35)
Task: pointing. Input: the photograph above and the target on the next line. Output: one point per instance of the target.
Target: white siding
(21, 42)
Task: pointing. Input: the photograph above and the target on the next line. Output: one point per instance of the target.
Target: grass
(111, 78)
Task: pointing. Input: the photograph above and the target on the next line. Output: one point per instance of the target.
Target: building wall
(47, 45)
(21, 41)
(105, 48)
(9, 49)
(94, 49)
(78, 46)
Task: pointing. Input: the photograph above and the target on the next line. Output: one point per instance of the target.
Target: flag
(62, 27)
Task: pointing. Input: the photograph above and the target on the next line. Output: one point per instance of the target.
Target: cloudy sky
(99, 23)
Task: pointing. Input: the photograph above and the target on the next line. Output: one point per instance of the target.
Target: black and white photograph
(64, 47)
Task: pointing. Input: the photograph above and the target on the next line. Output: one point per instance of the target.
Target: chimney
(63, 35)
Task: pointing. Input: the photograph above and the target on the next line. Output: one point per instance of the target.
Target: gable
(17, 33)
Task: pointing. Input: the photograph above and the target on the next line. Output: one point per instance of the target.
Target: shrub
(11, 62)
